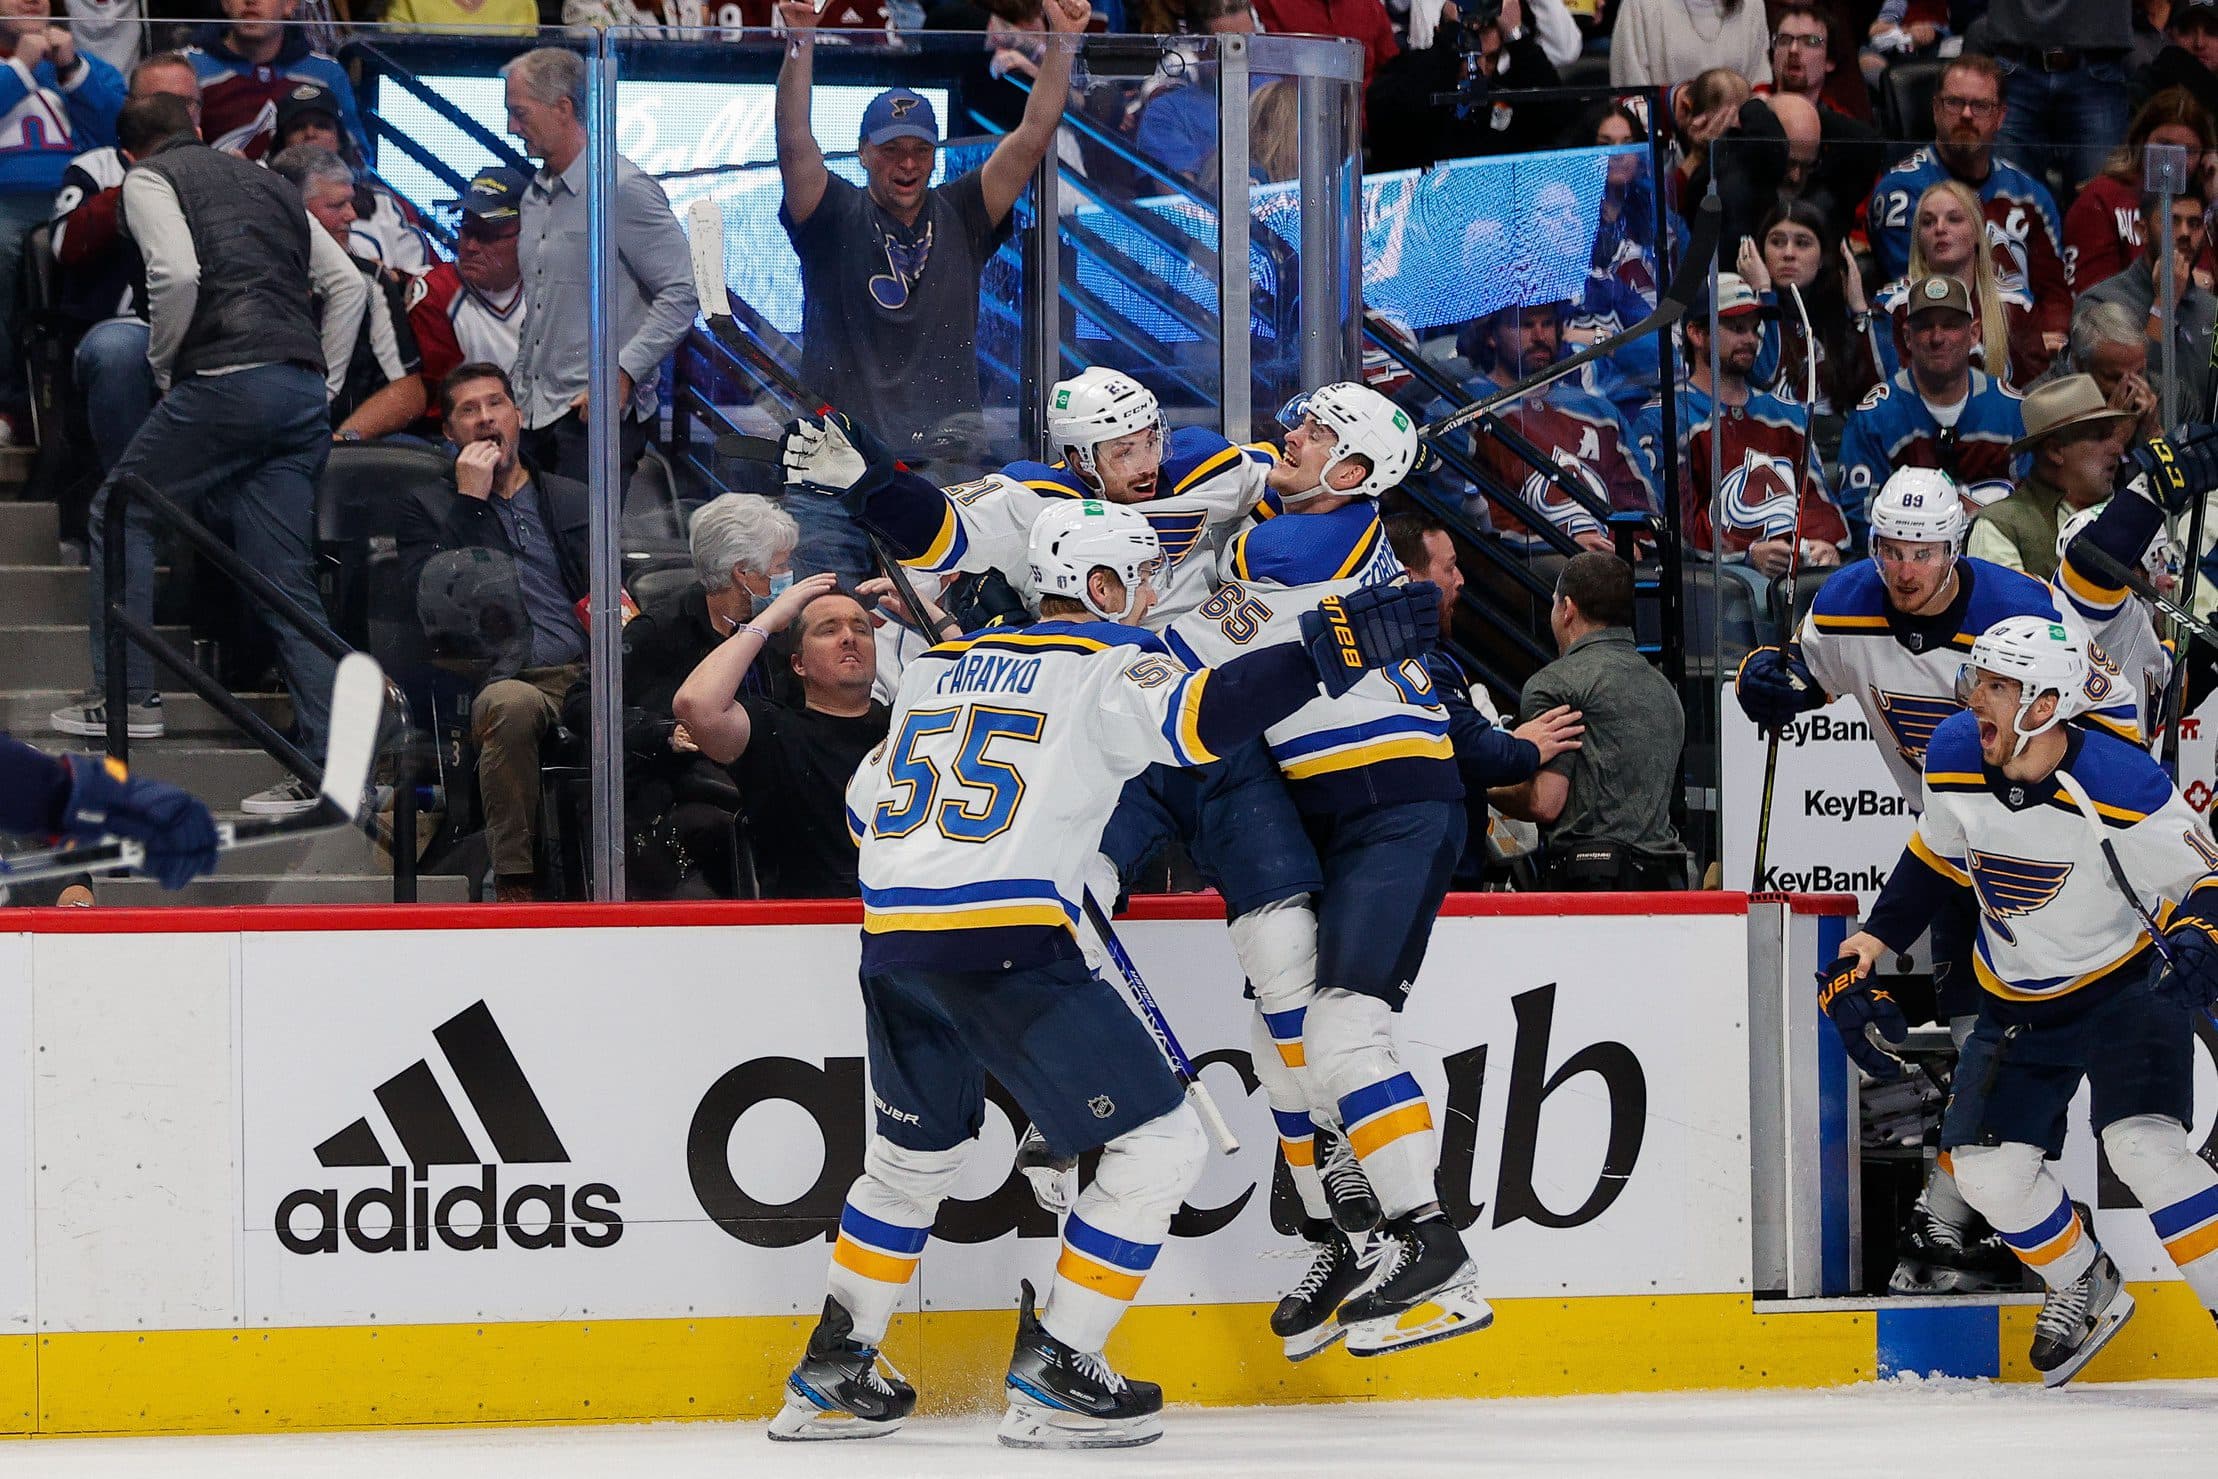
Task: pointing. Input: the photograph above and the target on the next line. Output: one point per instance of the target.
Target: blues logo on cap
(898, 113)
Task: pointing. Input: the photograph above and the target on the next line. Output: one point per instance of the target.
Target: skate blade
(1029, 1425)
(1446, 1315)
(1314, 1342)
(1928, 1281)
(802, 1421)
(2113, 1320)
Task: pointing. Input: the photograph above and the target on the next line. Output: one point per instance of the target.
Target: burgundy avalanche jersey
(1767, 457)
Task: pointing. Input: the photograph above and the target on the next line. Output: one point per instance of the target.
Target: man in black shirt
(793, 764)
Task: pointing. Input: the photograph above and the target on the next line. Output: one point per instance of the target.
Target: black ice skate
(1064, 1398)
(1426, 1290)
(2078, 1320)
(1308, 1319)
(839, 1390)
(1937, 1258)
(1355, 1208)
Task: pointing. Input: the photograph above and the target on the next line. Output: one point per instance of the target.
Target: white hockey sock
(1111, 1238)
(2013, 1188)
(1942, 1198)
(2153, 1156)
(884, 1227)
(1278, 1061)
(1350, 1041)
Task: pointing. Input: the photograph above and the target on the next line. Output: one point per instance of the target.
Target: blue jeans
(250, 446)
(117, 384)
(18, 214)
(2073, 118)
(830, 541)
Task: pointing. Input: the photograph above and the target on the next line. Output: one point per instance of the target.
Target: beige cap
(1939, 290)
(2069, 400)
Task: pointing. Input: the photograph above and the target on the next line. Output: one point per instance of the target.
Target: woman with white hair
(742, 547)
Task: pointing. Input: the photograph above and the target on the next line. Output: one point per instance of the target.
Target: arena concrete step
(232, 890)
(42, 655)
(30, 533)
(218, 776)
(24, 712)
(42, 593)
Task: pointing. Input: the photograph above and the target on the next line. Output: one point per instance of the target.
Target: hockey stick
(357, 704)
(1794, 571)
(2070, 786)
(705, 243)
(1686, 285)
(2107, 566)
(1182, 1067)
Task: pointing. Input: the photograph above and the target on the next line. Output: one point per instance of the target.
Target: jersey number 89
(959, 817)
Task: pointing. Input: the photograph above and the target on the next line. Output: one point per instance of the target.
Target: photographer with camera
(1444, 101)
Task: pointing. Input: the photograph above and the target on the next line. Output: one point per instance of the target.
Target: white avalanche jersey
(2051, 919)
(1384, 740)
(1210, 486)
(1902, 669)
(2124, 629)
(1008, 750)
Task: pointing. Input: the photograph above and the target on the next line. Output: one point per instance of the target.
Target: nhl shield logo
(1917, 641)
(2017, 795)
(1102, 1105)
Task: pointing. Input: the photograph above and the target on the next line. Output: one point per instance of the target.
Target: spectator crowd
(1945, 246)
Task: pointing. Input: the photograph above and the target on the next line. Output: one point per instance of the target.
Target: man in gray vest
(233, 266)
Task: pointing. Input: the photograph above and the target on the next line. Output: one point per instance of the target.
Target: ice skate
(842, 1388)
(1355, 1208)
(1064, 1398)
(1937, 1258)
(1308, 1318)
(2078, 1320)
(1426, 1291)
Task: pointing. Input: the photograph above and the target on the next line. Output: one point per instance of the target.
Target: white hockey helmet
(1094, 406)
(1367, 425)
(2162, 557)
(1919, 505)
(1072, 540)
(2044, 656)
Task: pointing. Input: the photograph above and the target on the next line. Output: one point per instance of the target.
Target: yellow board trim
(1406, 747)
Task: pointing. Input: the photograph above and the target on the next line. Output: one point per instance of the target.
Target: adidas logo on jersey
(406, 1210)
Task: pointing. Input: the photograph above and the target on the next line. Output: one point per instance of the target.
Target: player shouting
(976, 819)
(2018, 805)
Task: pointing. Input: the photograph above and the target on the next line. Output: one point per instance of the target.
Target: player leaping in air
(976, 820)
(2047, 825)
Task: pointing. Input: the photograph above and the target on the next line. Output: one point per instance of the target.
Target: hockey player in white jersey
(1892, 631)
(2018, 805)
(1373, 774)
(2122, 624)
(976, 820)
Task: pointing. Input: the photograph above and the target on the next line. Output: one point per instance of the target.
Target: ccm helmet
(2160, 558)
(2044, 656)
(1365, 424)
(1072, 540)
(1918, 505)
(1094, 406)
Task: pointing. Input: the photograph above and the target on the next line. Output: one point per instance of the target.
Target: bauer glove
(174, 826)
(1871, 1025)
(1375, 627)
(837, 457)
(2189, 975)
(2178, 465)
(1773, 686)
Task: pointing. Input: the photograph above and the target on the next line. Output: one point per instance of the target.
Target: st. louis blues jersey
(1384, 740)
(2123, 628)
(2051, 918)
(1206, 487)
(1901, 669)
(977, 815)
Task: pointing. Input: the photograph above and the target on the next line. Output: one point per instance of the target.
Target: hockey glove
(2178, 465)
(1773, 686)
(178, 833)
(2190, 972)
(1376, 627)
(1871, 1025)
(1054, 1178)
(837, 457)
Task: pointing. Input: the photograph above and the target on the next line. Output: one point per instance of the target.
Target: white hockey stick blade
(350, 742)
(704, 236)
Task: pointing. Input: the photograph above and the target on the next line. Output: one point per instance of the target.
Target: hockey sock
(1111, 1238)
(1942, 1198)
(2189, 1228)
(884, 1227)
(1349, 1039)
(2014, 1189)
(2059, 1247)
(2152, 1155)
(1275, 1048)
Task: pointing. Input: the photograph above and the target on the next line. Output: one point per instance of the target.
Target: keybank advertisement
(1838, 820)
(550, 1124)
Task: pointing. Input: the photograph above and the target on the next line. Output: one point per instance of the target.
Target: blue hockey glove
(179, 834)
(1866, 1017)
(1376, 627)
(2180, 465)
(837, 457)
(2190, 975)
(1773, 686)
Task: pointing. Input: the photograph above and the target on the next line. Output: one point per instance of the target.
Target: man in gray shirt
(246, 366)
(655, 301)
(2135, 289)
(1605, 809)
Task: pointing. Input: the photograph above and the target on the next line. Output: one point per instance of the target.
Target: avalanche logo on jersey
(1759, 496)
(1564, 511)
(2009, 887)
(1911, 719)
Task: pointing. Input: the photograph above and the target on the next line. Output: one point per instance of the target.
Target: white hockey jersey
(1209, 487)
(2051, 918)
(977, 816)
(2126, 632)
(1385, 739)
(1902, 669)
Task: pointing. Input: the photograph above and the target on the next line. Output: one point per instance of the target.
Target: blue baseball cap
(898, 113)
(494, 194)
